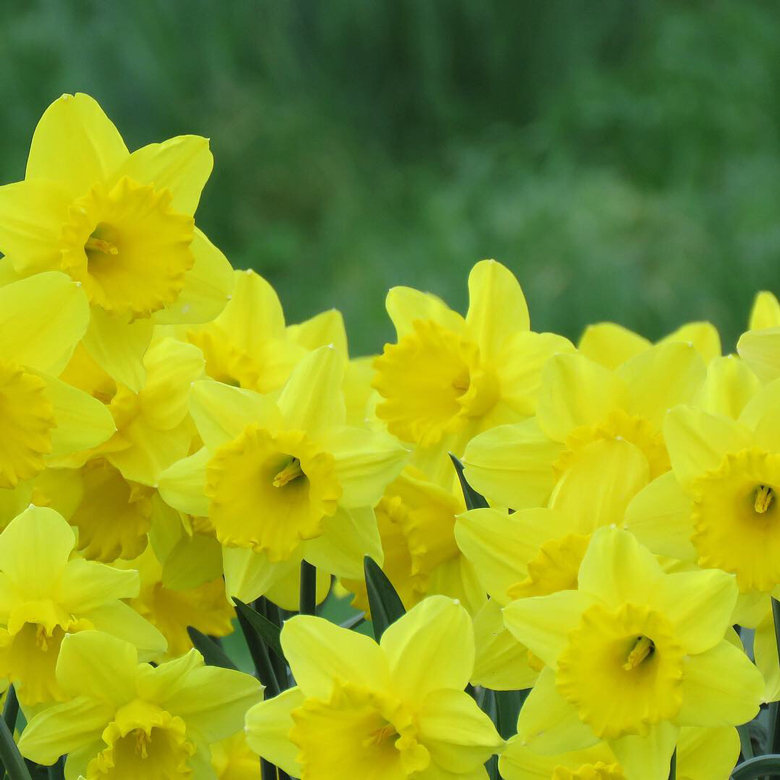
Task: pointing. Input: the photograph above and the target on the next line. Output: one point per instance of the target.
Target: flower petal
(729, 385)
(121, 621)
(704, 752)
(181, 485)
(760, 349)
(268, 725)
(249, 575)
(86, 585)
(610, 345)
(648, 756)
(765, 651)
(406, 305)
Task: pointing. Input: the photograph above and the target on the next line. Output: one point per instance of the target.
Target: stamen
(764, 496)
(642, 649)
(42, 638)
(142, 740)
(100, 245)
(290, 472)
(380, 735)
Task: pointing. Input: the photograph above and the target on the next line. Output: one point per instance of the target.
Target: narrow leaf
(386, 605)
(308, 589)
(10, 756)
(760, 766)
(473, 499)
(212, 653)
(268, 632)
(258, 649)
(508, 704)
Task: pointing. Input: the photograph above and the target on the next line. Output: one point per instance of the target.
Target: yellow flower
(55, 597)
(702, 754)
(389, 711)
(121, 225)
(454, 376)
(42, 418)
(233, 759)
(285, 479)
(131, 720)
(631, 655)
(580, 404)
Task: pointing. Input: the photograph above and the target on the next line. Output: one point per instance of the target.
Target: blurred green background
(622, 157)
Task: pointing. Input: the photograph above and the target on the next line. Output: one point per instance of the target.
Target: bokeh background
(621, 156)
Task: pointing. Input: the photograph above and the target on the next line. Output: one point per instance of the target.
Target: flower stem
(308, 589)
(774, 745)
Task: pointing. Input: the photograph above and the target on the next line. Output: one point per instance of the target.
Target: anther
(290, 472)
(763, 499)
(641, 650)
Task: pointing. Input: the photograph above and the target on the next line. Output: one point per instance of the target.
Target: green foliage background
(621, 156)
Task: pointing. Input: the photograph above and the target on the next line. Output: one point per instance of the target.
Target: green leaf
(308, 604)
(10, 756)
(508, 704)
(473, 499)
(258, 649)
(212, 653)
(761, 766)
(268, 631)
(386, 605)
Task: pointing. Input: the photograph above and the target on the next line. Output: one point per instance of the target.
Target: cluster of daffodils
(563, 561)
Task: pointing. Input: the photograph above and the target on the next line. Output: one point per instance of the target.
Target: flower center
(642, 650)
(128, 248)
(735, 519)
(26, 421)
(271, 491)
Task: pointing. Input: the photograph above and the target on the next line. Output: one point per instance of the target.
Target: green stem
(267, 770)
(11, 709)
(673, 766)
(774, 745)
(308, 589)
(260, 658)
(271, 611)
(10, 756)
(57, 770)
(745, 741)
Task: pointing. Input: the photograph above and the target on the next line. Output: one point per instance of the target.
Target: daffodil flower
(285, 479)
(119, 224)
(453, 376)
(630, 657)
(126, 719)
(390, 711)
(46, 596)
(580, 404)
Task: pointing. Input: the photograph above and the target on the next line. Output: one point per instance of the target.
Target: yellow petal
(121, 621)
(543, 623)
(765, 650)
(323, 329)
(64, 728)
(182, 165)
(765, 312)
(576, 391)
(32, 214)
(349, 535)
(513, 464)
(194, 560)
(729, 385)
(704, 753)
(720, 688)
(420, 649)
(698, 441)
(648, 756)
(267, 727)
(501, 662)
(312, 399)
(286, 590)
(660, 517)
(207, 286)
(659, 378)
(42, 342)
(75, 143)
(762, 415)
(760, 349)
(548, 724)
(41, 535)
(616, 569)
(86, 585)
(98, 666)
(254, 314)
(118, 346)
(600, 483)
(182, 484)
(319, 653)
(249, 575)
(497, 307)
(366, 463)
(702, 336)
(610, 344)
(458, 735)
(406, 305)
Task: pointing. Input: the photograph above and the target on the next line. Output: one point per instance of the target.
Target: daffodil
(702, 754)
(450, 376)
(389, 711)
(42, 418)
(233, 759)
(534, 552)
(416, 519)
(46, 596)
(283, 478)
(630, 657)
(119, 224)
(760, 346)
(580, 404)
(131, 720)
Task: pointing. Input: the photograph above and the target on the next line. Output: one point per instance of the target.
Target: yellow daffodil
(285, 479)
(233, 759)
(390, 711)
(702, 754)
(534, 552)
(416, 519)
(131, 720)
(630, 657)
(454, 376)
(46, 595)
(42, 418)
(580, 404)
(121, 225)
